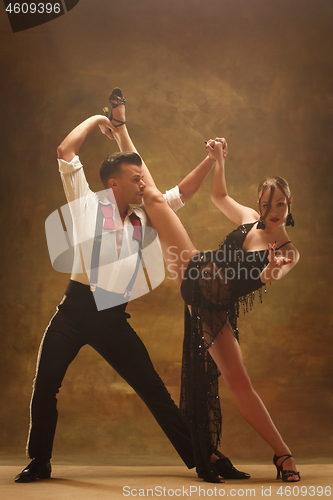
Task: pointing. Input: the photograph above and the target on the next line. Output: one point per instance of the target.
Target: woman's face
(278, 211)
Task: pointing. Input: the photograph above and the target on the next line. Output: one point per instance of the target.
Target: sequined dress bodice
(241, 268)
(227, 276)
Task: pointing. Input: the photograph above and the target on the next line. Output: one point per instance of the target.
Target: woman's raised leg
(177, 246)
(124, 141)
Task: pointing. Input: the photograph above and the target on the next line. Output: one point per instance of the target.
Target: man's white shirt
(116, 265)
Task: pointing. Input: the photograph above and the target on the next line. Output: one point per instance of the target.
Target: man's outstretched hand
(106, 127)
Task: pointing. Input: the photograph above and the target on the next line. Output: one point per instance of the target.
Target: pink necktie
(109, 222)
(108, 217)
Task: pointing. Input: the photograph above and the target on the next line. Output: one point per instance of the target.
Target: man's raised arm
(71, 144)
(194, 180)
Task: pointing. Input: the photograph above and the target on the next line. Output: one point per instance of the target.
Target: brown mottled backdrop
(258, 72)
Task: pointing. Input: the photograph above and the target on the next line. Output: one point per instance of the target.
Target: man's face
(129, 186)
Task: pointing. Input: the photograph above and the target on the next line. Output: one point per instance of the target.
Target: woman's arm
(234, 211)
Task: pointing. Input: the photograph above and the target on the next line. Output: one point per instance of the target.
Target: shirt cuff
(66, 167)
(173, 198)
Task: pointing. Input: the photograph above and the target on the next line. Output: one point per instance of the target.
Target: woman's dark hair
(272, 183)
(111, 166)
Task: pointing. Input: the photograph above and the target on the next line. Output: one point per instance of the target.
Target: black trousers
(77, 323)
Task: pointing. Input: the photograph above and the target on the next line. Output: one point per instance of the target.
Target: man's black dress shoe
(228, 471)
(34, 471)
(223, 468)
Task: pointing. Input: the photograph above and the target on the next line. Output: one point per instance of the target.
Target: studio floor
(85, 482)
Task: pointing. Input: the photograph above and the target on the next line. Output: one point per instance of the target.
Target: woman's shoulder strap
(286, 243)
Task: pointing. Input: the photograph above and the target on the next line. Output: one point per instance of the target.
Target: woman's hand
(278, 265)
(224, 143)
(276, 260)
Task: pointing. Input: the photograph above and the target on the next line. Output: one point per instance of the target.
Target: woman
(214, 285)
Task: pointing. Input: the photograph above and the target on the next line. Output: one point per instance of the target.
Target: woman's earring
(289, 220)
(261, 223)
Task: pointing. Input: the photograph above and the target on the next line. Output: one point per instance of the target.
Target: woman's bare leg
(125, 143)
(177, 247)
(176, 244)
(227, 355)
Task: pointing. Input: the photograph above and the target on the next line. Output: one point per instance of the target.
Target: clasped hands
(217, 148)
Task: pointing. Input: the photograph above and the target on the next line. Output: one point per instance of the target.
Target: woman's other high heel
(286, 474)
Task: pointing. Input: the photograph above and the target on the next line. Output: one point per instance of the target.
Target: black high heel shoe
(117, 96)
(286, 474)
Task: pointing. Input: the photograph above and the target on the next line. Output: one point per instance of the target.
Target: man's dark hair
(111, 166)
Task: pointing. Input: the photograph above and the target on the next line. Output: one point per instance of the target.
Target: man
(93, 314)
